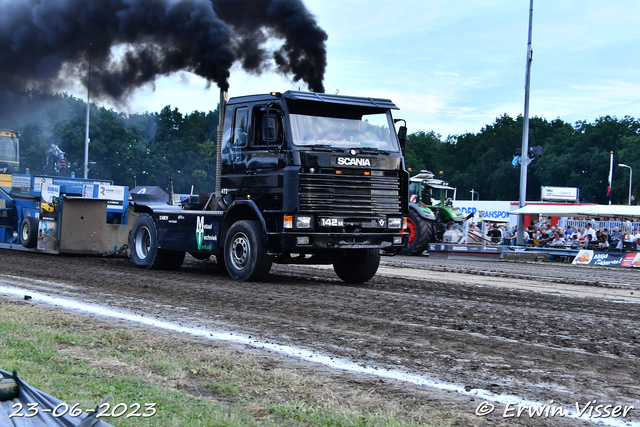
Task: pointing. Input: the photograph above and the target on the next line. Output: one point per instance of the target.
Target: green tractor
(429, 218)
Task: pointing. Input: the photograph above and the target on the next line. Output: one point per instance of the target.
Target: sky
(453, 67)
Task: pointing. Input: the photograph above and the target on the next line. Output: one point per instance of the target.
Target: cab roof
(340, 99)
(318, 97)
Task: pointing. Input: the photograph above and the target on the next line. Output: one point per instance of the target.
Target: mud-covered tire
(358, 265)
(29, 232)
(421, 232)
(245, 252)
(143, 244)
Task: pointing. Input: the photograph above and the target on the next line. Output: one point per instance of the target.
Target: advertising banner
(607, 259)
(491, 210)
(48, 225)
(87, 191)
(47, 236)
(49, 202)
(114, 194)
(20, 184)
(560, 194)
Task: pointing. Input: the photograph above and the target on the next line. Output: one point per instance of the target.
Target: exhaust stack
(221, 109)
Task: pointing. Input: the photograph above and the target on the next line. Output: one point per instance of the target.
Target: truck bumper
(313, 241)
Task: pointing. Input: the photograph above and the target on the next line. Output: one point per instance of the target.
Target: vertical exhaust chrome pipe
(221, 109)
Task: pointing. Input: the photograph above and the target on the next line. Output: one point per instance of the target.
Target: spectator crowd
(584, 235)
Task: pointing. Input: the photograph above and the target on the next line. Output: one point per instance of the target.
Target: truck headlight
(288, 221)
(395, 223)
(303, 222)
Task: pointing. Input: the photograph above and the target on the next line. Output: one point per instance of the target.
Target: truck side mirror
(402, 137)
(269, 128)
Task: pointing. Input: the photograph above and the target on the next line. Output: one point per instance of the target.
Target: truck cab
(309, 178)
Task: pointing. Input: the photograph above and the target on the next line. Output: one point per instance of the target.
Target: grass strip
(81, 359)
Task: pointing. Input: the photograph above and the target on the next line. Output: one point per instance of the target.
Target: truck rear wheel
(420, 233)
(245, 252)
(145, 253)
(29, 232)
(359, 265)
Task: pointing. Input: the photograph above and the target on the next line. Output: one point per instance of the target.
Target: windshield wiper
(322, 147)
(368, 150)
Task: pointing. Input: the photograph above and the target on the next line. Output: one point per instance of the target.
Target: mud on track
(538, 331)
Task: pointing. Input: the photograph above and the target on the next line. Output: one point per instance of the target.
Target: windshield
(8, 150)
(373, 130)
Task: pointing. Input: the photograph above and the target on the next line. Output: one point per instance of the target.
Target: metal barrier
(609, 225)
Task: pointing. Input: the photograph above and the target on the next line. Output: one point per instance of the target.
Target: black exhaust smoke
(44, 44)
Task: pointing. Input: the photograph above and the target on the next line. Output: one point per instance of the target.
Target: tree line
(129, 149)
(148, 148)
(575, 155)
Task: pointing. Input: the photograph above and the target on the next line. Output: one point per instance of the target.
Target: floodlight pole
(86, 137)
(610, 189)
(524, 158)
(630, 178)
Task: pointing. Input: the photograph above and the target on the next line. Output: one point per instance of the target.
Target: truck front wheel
(245, 253)
(358, 265)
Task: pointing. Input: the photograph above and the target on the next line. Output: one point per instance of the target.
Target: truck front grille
(350, 195)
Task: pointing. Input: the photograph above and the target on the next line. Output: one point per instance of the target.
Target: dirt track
(538, 331)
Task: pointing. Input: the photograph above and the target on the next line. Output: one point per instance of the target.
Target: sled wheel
(29, 232)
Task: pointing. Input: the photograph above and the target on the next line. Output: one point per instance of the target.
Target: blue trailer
(64, 215)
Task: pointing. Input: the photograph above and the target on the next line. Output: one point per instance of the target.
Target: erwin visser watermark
(590, 409)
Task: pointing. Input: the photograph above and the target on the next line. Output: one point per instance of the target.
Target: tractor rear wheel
(420, 233)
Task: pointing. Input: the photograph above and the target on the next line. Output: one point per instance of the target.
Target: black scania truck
(302, 178)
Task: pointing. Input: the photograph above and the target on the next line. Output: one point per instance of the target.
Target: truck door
(264, 158)
(234, 148)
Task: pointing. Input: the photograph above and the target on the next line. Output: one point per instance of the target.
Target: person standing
(634, 202)
(494, 234)
(508, 235)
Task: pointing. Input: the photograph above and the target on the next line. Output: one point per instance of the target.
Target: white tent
(580, 210)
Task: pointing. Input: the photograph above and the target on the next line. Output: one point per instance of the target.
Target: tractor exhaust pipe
(221, 109)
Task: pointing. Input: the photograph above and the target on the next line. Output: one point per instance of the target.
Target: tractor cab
(431, 211)
(426, 190)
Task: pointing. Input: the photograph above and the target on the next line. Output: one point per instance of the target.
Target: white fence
(600, 225)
